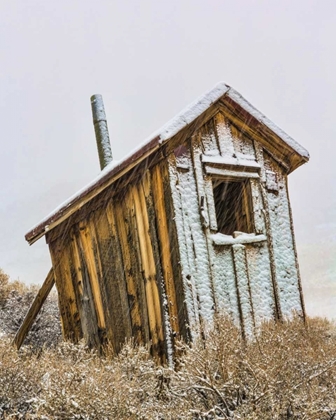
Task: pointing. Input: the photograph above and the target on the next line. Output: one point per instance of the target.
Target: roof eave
(174, 126)
(90, 191)
(261, 118)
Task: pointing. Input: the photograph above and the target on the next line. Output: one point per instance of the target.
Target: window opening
(233, 206)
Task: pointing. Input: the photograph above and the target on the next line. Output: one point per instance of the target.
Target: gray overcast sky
(149, 59)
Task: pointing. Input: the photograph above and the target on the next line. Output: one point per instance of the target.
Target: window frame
(233, 170)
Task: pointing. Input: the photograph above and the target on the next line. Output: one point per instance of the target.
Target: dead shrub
(4, 288)
(288, 372)
(15, 300)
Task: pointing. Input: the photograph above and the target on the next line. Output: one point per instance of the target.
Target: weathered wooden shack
(196, 221)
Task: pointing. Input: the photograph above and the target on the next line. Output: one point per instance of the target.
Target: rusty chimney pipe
(101, 130)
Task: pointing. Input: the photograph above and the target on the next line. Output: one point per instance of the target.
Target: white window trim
(229, 168)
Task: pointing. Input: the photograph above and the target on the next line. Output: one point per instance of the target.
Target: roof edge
(172, 127)
(259, 116)
(115, 169)
(108, 175)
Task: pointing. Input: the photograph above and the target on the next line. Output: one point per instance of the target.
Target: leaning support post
(34, 309)
(101, 130)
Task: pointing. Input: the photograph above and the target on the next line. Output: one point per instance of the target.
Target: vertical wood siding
(284, 253)
(140, 261)
(115, 272)
(245, 281)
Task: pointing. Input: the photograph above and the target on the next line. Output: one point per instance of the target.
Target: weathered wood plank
(69, 312)
(148, 265)
(247, 207)
(202, 243)
(209, 142)
(165, 248)
(284, 254)
(295, 254)
(257, 207)
(178, 186)
(259, 271)
(130, 273)
(270, 243)
(133, 276)
(175, 251)
(167, 345)
(101, 241)
(100, 275)
(243, 290)
(87, 248)
(224, 135)
(208, 188)
(89, 320)
(242, 143)
(116, 282)
(34, 309)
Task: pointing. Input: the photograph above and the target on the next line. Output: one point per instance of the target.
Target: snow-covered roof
(117, 168)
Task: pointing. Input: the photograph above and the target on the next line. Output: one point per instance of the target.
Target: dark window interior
(233, 206)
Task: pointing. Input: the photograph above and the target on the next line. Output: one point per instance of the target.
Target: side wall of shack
(115, 262)
(249, 281)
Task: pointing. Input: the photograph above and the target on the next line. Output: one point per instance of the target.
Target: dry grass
(288, 373)
(15, 300)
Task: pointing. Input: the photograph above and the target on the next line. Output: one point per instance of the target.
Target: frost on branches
(287, 372)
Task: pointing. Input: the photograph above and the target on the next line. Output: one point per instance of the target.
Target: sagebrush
(287, 372)
(15, 300)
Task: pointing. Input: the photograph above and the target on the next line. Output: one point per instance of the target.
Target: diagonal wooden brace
(34, 309)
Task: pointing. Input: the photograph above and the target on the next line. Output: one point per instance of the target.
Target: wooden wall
(249, 281)
(142, 259)
(115, 263)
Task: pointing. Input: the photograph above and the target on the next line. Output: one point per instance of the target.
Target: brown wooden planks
(114, 278)
(83, 291)
(34, 309)
(132, 270)
(85, 236)
(101, 243)
(165, 248)
(148, 266)
(146, 188)
(67, 301)
(175, 253)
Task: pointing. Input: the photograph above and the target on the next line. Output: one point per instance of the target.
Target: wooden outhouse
(194, 222)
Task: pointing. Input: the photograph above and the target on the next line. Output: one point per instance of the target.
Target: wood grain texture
(85, 237)
(84, 309)
(113, 279)
(89, 320)
(166, 344)
(67, 301)
(270, 243)
(224, 135)
(135, 277)
(148, 266)
(165, 248)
